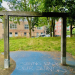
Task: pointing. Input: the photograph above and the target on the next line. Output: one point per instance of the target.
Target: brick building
(58, 27)
(1, 30)
(21, 30)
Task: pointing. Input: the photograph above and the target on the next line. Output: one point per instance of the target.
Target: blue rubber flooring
(41, 63)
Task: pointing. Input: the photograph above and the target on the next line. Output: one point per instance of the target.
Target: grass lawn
(68, 32)
(39, 44)
(73, 32)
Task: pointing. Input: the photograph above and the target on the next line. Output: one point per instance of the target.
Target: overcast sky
(4, 4)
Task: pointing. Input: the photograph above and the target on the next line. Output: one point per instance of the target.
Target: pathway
(41, 63)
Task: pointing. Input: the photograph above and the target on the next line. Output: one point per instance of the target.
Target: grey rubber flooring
(41, 63)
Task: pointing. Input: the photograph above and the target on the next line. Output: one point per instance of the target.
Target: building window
(25, 33)
(16, 34)
(68, 27)
(59, 27)
(41, 33)
(26, 26)
(58, 31)
(55, 21)
(58, 24)
(25, 19)
(37, 34)
(60, 20)
(13, 26)
(10, 34)
(39, 27)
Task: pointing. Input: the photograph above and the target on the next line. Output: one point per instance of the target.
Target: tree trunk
(30, 29)
(29, 22)
(54, 28)
(50, 22)
(50, 31)
(71, 30)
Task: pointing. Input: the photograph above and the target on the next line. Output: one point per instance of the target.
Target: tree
(24, 5)
(42, 21)
(44, 6)
(36, 5)
(52, 6)
(47, 30)
(1, 7)
(62, 6)
(70, 5)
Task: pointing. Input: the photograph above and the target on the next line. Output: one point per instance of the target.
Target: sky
(4, 4)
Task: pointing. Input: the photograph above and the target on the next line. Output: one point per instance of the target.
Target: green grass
(73, 32)
(68, 32)
(39, 44)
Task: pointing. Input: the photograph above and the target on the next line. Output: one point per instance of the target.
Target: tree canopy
(44, 6)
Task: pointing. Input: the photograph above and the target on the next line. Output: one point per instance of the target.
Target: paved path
(41, 63)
